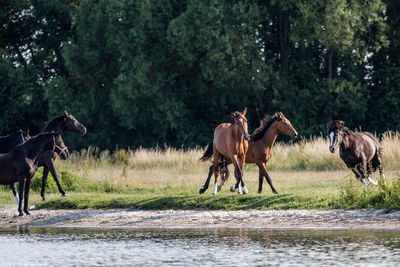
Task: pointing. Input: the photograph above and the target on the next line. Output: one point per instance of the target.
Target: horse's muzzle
(331, 149)
(246, 137)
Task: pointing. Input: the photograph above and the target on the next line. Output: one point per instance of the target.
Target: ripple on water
(182, 247)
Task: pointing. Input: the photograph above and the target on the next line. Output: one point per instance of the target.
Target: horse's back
(221, 136)
(369, 143)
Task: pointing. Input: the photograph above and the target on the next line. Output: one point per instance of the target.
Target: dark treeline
(142, 73)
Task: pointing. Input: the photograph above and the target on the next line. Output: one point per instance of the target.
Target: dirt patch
(204, 219)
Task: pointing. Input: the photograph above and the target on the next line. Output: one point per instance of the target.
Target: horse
(260, 149)
(10, 141)
(65, 122)
(360, 151)
(20, 164)
(231, 141)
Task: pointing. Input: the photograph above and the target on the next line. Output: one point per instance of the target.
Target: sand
(369, 218)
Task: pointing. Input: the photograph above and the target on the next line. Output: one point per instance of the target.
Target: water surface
(184, 247)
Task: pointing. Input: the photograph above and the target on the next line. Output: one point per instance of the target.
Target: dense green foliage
(147, 73)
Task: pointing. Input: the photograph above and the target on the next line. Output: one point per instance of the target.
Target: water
(205, 247)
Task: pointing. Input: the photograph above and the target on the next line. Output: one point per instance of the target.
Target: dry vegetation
(305, 174)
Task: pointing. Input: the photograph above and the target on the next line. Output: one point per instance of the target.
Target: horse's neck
(236, 133)
(270, 136)
(345, 142)
(35, 147)
(57, 125)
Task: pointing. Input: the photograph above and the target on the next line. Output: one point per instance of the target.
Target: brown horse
(260, 149)
(360, 151)
(20, 164)
(231, 141)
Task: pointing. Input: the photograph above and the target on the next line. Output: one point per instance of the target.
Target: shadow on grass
(188, 202)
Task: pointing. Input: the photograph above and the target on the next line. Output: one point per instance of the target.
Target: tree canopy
(147, 73)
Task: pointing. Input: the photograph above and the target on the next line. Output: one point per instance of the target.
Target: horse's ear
(66, 113)
(234, 114)
(244, 111)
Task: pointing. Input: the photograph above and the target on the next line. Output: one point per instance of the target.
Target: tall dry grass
(170, 167)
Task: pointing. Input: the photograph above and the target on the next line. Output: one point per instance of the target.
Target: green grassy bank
(306, 175)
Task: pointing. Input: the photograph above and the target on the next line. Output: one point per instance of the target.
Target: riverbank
(128, 218)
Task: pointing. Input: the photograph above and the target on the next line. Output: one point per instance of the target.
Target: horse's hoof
(232, 188)
(27, 212)
(219, 189)
(373, 181)
(64, 194)
(43, 199)
(201, 191)
(245, 191)
(214, 193)
(275, 192)
(20, 214)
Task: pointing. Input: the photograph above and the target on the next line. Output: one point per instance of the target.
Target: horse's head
(335, 133)
(55, 143)
(72, 124)
(60, 148)
(240, 120)
(284, 126)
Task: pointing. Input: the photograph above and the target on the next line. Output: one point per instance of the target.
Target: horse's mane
(339, 125)
(49, 124)
(265, 123)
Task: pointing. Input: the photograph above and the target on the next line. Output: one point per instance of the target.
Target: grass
(306, 175)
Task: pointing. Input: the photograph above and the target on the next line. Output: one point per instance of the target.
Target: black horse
(360, 151)
(20, 164)
(66, 122)
(10, 141)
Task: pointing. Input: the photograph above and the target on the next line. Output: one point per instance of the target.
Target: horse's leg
(238, 173)
(26, 194)
(20, 193)
(356, 170)
(241, 164)
(260, 180)
(12, 186)
(53, 172)
(224, 171)
(205, 186)
(44, 181)
(263, 171)
(216, 171)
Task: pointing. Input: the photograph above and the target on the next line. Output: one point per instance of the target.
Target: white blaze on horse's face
(331, 135)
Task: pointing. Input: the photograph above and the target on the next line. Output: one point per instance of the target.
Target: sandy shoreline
(362, 219)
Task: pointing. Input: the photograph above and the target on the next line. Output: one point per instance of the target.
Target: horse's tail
(208, 153)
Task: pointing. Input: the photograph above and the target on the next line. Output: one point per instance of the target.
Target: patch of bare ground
(378, 219)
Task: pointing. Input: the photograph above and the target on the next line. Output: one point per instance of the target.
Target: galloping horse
(20, 164)
(360, 151)
(230, 141)
(260, 149)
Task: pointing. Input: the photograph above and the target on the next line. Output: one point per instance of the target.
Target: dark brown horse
(231, 141)
(360, 151)
(10, 141)
(260, 149)
(20, 164)
(66, 122)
